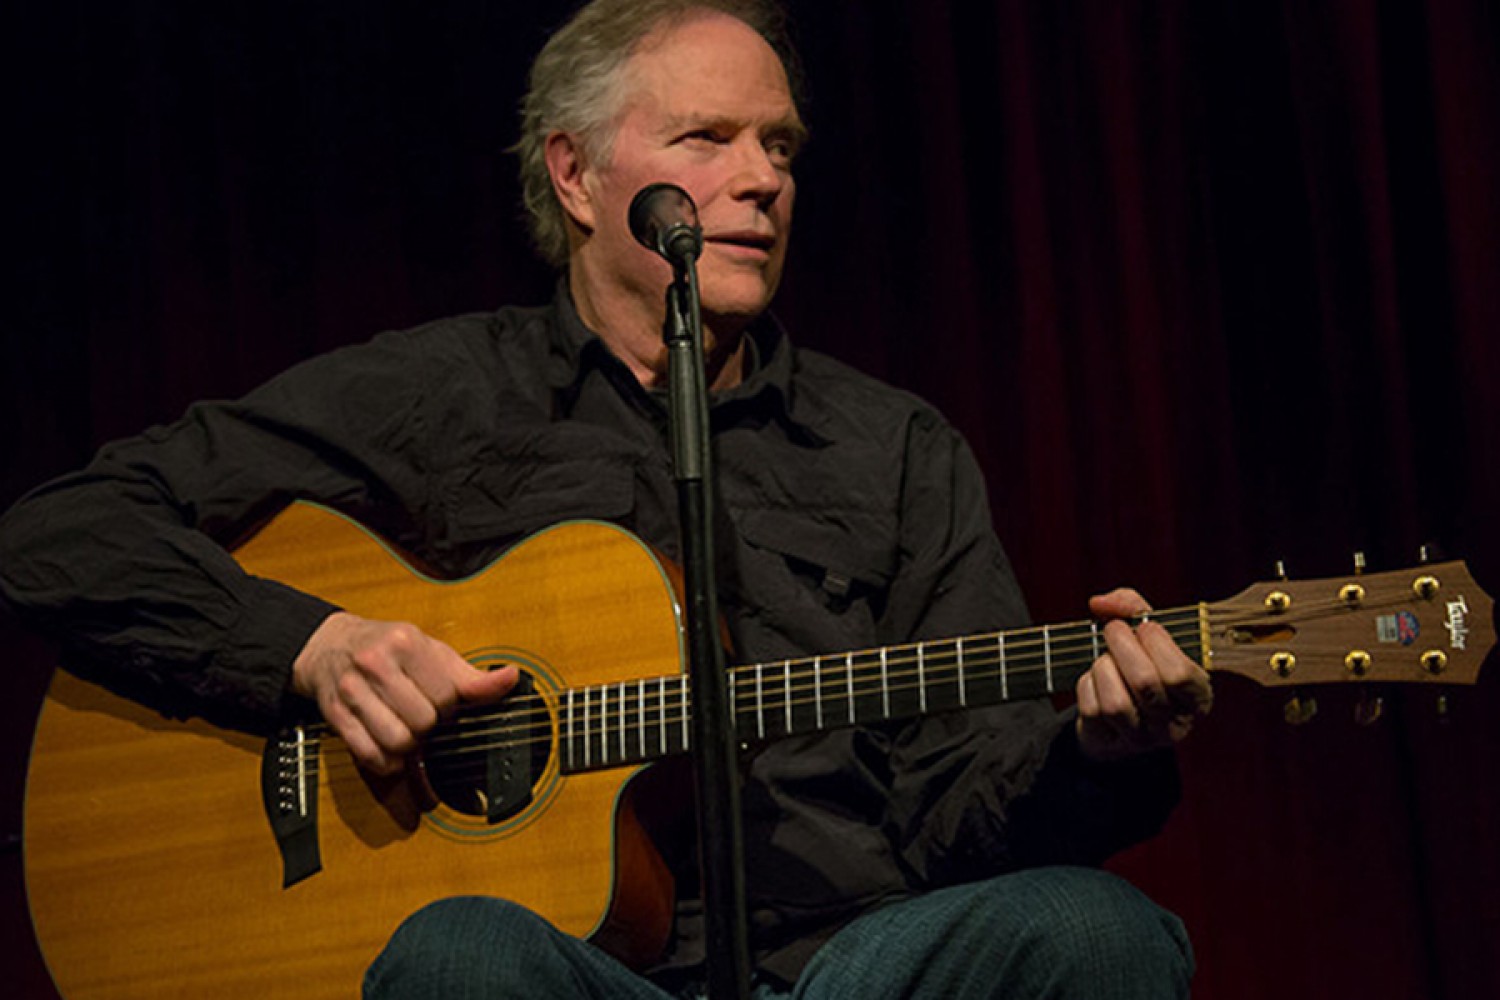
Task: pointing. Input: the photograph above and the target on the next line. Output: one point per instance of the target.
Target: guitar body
(151, 866)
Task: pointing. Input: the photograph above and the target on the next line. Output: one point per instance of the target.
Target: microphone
(664, 220)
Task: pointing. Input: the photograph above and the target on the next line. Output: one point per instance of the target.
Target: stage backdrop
(1207, 285)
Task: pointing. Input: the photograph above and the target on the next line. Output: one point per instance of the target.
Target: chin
(741, 300)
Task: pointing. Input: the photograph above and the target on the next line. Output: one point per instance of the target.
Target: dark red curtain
(1208, 285)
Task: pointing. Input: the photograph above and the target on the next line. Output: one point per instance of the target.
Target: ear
(569, 168)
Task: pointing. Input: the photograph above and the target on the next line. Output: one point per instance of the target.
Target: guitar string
(542, 730)
(1019, 647)
(741, 675)
(469, 746)
(536, 724)
(941, 655)
(539, 727)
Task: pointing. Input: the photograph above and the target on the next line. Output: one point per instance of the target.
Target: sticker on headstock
(1401, 627)
(1458, 622)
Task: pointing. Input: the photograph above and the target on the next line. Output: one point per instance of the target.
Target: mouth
(743, 241)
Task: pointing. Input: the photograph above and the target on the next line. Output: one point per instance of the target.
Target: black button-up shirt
(851, 515)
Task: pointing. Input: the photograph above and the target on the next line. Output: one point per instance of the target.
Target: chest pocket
(836, 569)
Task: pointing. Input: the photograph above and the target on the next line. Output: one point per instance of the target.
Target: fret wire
(1047, 655)
(786, 669)
(641, 694)
(760, 702)
(661, 703)
(922, 677)
(622, 720)
(818, 691)
(587, 746)
(684, 683)
(885, 683)
(572, 755)
(849, 675)
(603, 723)
(1004, 675)
(962, 695)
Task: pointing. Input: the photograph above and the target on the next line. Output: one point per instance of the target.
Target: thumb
(486, 685)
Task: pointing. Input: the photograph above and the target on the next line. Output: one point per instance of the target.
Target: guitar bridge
(289, 792)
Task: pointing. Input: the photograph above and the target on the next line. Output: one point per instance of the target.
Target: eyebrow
(787, 127)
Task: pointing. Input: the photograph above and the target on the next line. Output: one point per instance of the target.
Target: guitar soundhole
(485, 762)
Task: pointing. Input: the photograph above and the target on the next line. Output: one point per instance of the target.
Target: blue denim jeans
(1045, 932)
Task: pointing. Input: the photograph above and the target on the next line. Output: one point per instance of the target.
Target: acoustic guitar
(169, 858)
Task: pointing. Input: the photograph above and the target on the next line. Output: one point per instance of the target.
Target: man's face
(707, 108)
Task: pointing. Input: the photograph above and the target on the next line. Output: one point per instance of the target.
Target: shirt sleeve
(981, 792)
(125, 560)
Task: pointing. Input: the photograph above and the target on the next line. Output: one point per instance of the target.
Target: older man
(931, 858)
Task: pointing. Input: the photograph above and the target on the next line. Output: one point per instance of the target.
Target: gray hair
(576, 87)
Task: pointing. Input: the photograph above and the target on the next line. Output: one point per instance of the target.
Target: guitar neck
(1423, 625)
(635, 722)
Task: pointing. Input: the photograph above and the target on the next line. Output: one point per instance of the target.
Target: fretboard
(641, 720)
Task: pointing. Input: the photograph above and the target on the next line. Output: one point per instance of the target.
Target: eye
(706, 136)
(781, 151)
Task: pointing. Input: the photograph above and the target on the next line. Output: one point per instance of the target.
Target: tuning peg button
(1299, 711)
(1367, 711)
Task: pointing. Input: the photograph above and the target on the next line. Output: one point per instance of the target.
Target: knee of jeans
(454, 936)
(461, 921)
(1088, 923)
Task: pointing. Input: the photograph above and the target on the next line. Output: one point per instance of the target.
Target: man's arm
(995, 789)
(123, 560)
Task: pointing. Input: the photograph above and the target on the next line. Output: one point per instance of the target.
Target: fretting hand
(1143, 693)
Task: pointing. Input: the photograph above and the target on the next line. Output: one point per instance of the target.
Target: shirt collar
(577, 351)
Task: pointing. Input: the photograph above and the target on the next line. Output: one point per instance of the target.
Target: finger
(1137, 671)
(1122, 602)
(396, 677)
(362, 746)
(1187, 685)
(1088, 696)
(1116, 706)
(392, 736)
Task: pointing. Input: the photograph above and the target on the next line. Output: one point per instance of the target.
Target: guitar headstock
(1430, 624)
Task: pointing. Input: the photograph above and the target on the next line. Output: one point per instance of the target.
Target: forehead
(710, 66)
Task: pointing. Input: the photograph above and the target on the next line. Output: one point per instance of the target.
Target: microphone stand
(715, 764)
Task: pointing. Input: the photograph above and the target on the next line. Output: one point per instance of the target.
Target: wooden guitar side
(150, 864)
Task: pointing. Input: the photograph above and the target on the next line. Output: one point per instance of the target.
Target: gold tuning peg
(1368, 710)
(1359, 563)
(1299, 711)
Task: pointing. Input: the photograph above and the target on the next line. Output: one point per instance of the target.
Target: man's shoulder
(454, 336)
(826, 388)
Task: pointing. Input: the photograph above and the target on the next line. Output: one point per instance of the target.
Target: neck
(632, 330)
